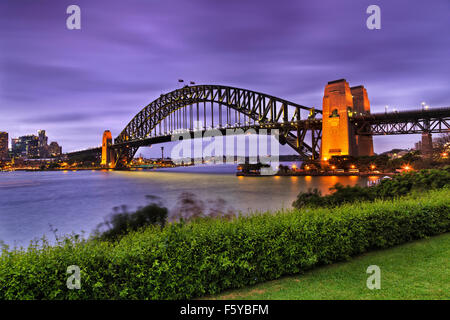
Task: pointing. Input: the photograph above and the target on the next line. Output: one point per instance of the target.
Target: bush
(122, 222)
(311, 198)
(207, 256)
(399, 185)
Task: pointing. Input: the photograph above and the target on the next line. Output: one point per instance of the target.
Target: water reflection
(75, 201)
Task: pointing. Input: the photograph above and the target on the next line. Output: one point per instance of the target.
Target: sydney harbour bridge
(344, 126)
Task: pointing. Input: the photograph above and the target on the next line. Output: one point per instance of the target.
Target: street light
(423, 105)
(407, 167)
(386, 109)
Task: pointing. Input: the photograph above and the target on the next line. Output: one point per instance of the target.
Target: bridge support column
(340, 103)
(337, 134)
(361, 105)
(107, 152)
(427, 144)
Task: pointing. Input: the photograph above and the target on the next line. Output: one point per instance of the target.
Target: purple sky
(77, 83)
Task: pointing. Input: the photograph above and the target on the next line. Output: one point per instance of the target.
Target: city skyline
(28, 146)
(78, 83)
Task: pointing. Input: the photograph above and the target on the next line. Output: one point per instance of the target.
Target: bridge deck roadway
(373, 123)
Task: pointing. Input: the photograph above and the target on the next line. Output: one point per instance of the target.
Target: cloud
(128, 53)
(58, 118)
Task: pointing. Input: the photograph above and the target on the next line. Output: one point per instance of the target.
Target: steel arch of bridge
(258, 110)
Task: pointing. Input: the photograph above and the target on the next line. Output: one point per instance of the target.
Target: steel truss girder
(261, 108)
(409, 126)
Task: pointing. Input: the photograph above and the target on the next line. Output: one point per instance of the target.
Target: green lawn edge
(412, 271)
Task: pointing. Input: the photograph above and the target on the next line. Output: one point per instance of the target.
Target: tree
(443, 142)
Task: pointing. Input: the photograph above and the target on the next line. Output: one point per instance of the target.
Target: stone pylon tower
(107, 152)
(361, 106)
(337, 135)
(340, 103)
(427, 144)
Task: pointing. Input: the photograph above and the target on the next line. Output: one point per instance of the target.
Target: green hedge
(399, 185)
(208, 256)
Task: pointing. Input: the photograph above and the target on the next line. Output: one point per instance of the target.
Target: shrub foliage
(399, 185)
(122, 222)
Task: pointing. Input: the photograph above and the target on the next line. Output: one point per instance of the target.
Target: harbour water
(78, 201)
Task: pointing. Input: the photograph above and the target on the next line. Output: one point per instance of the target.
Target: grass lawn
(418, 270)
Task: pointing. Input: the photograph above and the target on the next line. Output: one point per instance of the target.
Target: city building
(33, 147)
(398, 154)
(4, 154)
(418, 145)
(26, 146)
(42, 144)
(54, 149)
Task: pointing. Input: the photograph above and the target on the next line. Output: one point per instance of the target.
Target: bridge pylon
(108, 158)
(340, 104)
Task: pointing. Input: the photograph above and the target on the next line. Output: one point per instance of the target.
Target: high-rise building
(16, 147)
(4, 145)
(26, 146)
(32, 146)
(42, 144)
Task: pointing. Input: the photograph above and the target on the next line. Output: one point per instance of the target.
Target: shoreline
(238, 174)
(318, 174)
